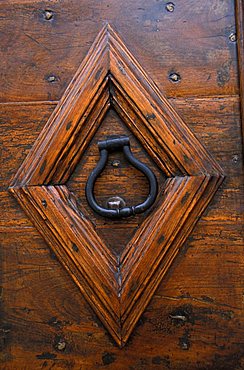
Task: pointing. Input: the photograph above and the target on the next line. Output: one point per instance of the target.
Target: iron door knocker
(111, 145)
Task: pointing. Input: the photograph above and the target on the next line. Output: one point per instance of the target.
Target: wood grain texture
(118, 289)
(195, 318)
(240, 48)
(212, 329)
(39, 56)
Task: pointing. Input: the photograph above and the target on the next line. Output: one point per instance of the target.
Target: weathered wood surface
(195, 318)
(118, 287)
(240, 49)
(39, 56)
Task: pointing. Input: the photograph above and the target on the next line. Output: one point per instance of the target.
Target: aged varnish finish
(162, 289)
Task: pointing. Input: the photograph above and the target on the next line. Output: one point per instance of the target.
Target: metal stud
(51, 78)
(115, 203)
(48, 14)
(61, 345)
(170, 7)
(115, 163)
(174, 77)
(232, 37)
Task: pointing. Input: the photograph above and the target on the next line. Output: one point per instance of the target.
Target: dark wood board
(195, 317)
(194, 320)
(39, 56)
(240, 48)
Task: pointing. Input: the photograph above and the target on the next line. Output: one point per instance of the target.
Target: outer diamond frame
(109, 76)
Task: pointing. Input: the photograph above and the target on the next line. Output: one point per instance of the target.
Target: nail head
(174, 77)
(232, 37)
(115, 163)
(48, 15)
(170, 7)
(51, 78)
(61, 345)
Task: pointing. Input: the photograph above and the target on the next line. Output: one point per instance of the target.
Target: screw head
(170, 7)
(174, 77)
(48, 14)
(232, 37)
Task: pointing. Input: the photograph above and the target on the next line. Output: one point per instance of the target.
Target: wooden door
(163, 288)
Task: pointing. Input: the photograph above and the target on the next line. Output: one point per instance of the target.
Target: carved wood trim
(118, 290)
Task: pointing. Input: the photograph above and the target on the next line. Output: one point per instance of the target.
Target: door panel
(193, 41)
(194, 319)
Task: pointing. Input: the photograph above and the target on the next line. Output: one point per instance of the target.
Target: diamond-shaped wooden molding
(117, 290)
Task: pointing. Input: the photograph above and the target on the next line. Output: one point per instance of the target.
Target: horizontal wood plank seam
(184, 98)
